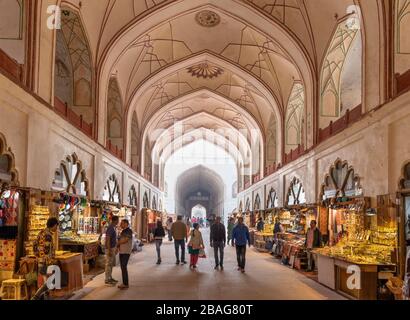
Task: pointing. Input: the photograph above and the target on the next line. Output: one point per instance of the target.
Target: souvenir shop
(356, 234)
(25, 214)
(264, 239)
(293, 222)
(149, 218)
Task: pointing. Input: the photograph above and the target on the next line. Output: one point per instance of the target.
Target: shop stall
(264, 239)
(149, 220)
(295, 220)
(358, 237)
(12, 208)
(32, 210)
(79, 227)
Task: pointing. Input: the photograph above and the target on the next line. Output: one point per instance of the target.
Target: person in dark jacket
(313, 240)
(260, 225)
(240, 237)
(218, 242)
(159, 234)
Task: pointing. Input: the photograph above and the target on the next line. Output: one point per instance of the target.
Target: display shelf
(37, 221)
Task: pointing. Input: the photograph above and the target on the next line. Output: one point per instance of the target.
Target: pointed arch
(295, 117)
(115, 114)
(8, 172)
(341, 73)
(73, 78)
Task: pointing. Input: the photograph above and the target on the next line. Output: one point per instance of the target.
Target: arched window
(340, 181)
(248, 205)
(70, 177)
(8, 172)
(240, 206)
(73, 78)
(296, 193)
(295, 113)
(257, 204)
(145, 201)
(154, 203)
(272, 201)
(132, 197)
(341, 75)
(112, 190)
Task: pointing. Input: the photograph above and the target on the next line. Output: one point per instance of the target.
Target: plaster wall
(40, 140)
(377, 147)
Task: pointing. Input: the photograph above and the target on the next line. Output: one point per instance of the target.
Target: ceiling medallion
(205, 70)
(208, 18)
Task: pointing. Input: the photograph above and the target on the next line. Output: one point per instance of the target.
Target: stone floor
(265, 279)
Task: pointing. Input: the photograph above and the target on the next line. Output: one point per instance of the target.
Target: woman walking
(195, 244)
(159, 234)
(231, 225)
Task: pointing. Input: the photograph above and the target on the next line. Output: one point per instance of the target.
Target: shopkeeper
(44, 250)
(260, 225)
(313, 240)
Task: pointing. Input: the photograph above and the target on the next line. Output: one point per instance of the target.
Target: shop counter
(89, 250)
(72, 264)
(332, 272)
(261, 239)
(326, 271)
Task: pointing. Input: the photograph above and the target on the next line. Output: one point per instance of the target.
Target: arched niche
(257, 203)
(341, 73)
(404, 183)
(295, 118)
(115, 114)
(8, 173)
(145, 201)
(73, 77)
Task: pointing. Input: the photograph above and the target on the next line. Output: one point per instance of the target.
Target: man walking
(180, 235)
(218, 242)
(313, 240)
(125, 248)
(110, 250)
(240, 236)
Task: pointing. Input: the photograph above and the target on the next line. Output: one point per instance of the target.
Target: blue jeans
(177, 244)
(158, 244)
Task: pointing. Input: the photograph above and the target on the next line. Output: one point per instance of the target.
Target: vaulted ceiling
(246, 65)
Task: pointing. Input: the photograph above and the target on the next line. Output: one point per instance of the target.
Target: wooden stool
(12, 289)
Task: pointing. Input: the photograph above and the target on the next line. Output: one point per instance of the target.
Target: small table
(71, 263)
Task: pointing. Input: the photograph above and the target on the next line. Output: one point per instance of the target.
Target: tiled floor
(265, 279)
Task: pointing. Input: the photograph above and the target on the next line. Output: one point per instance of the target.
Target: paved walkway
(265, 279)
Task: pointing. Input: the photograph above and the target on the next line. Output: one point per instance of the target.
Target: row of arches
(74, 85)
(103, 89)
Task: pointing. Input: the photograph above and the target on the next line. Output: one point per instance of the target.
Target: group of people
(182, 235)
(179, 232)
